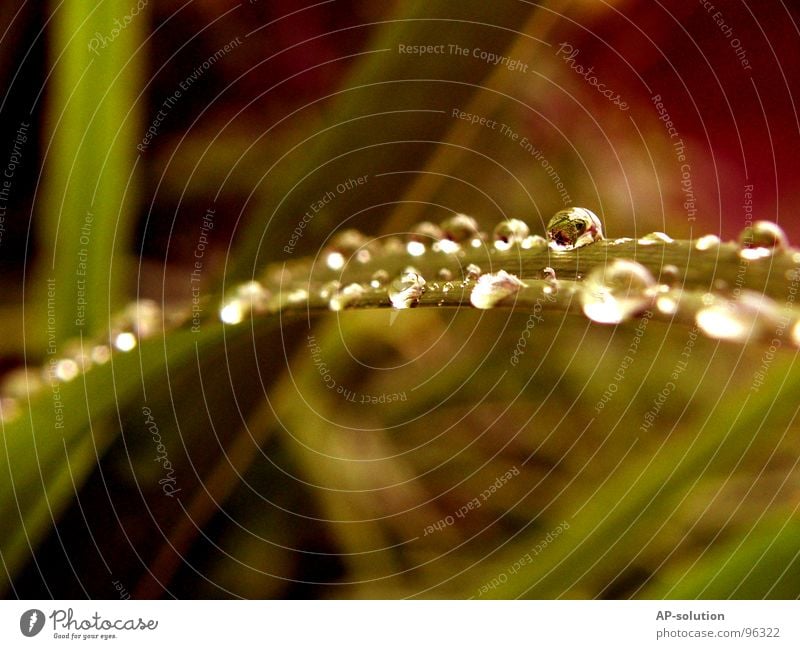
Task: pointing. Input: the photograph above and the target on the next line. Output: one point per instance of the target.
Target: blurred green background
(433, 468)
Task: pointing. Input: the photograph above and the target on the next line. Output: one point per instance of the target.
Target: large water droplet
(762, 239)
(510, 233)
(491, 288)
(406, 290)
(618, 291)
(574, 227)
(737, 320)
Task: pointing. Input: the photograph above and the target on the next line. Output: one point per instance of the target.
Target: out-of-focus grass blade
(84, 216)
(63, 434)
(761, 562)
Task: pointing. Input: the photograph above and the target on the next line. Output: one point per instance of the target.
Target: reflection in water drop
(761, 240)
(491, 288)
(573, 227)
(406, 290)
(618, 291)
(510, 233)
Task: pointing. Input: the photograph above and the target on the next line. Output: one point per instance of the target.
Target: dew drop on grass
(738, 320)
(707, 241)
(654, 238)
(472, 272)
(20, 383)
(762, 239)
(125, 341)
(328, 289)
(573, 228)
(343, 245)
(379, 278)
(510, 233)
(457, 230)
(534, 242)
(406, 290)
(346, 297)
(422, 236)
(618, 291)
(491, 288)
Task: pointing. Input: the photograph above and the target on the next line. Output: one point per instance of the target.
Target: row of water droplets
(609, 294)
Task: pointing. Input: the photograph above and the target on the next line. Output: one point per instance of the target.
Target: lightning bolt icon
(34, 617)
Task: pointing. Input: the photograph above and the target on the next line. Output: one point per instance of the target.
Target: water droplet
(393, 246)
(572, 228)
(707, 241)
(445, 274)
(510, 233)
(19, 383)
(447, 287)
(762, 239)
(297, 296)
(670, 273)
(9, 409)
(457, 230)
(247, 297)
(348, 296)
(738, 320)
(491, 288)
(67, 369)
(667, 304)
(421, 236)
(379, 278)
(406, 290)
(654, 238)
(343, 245)
(328, 289)
(125, 341)
(618, 291)
(472, 272)
(534, 242)
(101, 354)
(335, 260)
(142, 318)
